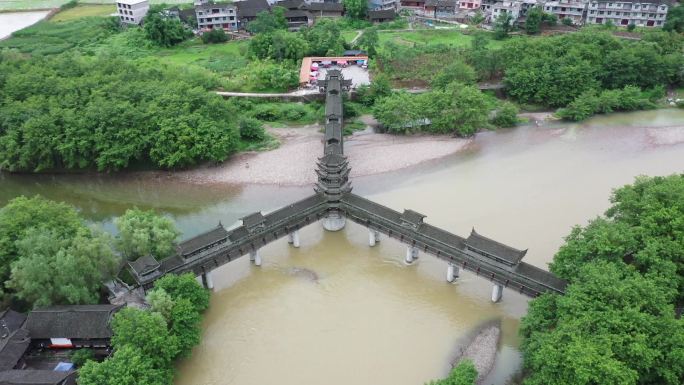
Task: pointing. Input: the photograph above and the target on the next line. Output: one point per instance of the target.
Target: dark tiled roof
(290, 4)
(250, 8)
(412, 217)
(539, 275)
(253, 220)
(11, 320)
(144, 265)
(291, 13)
(195, 243)
(506, 253)
(74, 321)
(354, 52)
(36, 377)
(333, 159)
(12, 348)
(382, 14)
(186, 14)
(325, 7)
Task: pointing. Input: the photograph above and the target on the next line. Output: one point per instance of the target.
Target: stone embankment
(480, 346)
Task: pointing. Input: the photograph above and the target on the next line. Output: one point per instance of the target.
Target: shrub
(567, 21)
(80, 356)
(216, 35)
(631, 27)
(506, 115)
(251, 129)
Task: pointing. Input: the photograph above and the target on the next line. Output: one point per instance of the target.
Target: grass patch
(81, 11)
(48, 38)
(432, 37)
(269, 143)
(348, 36)
(353, 126)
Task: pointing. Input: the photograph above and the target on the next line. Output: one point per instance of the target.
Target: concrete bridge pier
(373, 237)
(334, 221)
(452, 273)
(293, 238)
(497, 293)
(207, 281)
(411, 254)
(255, 257)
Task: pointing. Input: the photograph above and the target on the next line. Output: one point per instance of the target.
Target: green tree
(161, 302)
(251, 129)
(54, 270)
(216, 35)
(266, 21)
(675, 19)
(477, 18)
(613, 326)
(323, 38)
(506, 115)
(356, 9)
(147, 332)
(23, 216)
(81, 356)
(185, 325)
(566, 21)
(456, 71)
(399, 113)
(128, 366)
(369, 41)
(164, 31)
(503, 25)
(461, 109)
(463, 374)
(534, 20)
(379, 88)
(145, 233)
(184, 286)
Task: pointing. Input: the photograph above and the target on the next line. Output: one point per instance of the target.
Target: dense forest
(617, 322)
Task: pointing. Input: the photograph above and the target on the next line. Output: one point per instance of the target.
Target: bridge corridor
(332, 204)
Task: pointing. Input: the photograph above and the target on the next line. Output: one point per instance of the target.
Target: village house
(441, 8)
(501, 7)
(132, 11)
(37, 377)
(642, 13)
(323, 10)
(296, 14)
(13, 340)
(212, 15)
(469, 4)
(384, 4)
(249, 9)
(567, 9)
(381, 16)
(73, 326)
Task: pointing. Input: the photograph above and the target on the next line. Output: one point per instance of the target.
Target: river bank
(480, 345)
(294, 161)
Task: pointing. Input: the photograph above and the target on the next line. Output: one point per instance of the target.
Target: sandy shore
(480, 346)
(293, 163)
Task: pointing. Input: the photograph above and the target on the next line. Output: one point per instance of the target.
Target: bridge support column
(207, 281)
(334, 221)
(293, 238)
(497, 293)
(452, 272)
(255, 257)
(373, 237)
(411, 254)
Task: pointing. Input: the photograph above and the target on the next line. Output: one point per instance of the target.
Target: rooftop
(144, 265)
(250, 8)
(36, 377)
(131, 2)
(204, 239)
(12, 348)
(507, 254)
(71, 321)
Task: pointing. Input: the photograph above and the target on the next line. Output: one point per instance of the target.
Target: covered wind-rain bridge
(333, 203)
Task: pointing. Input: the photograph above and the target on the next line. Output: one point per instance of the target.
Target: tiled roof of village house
(12, 348)
(144, 265)
(290, 13)
(11, 320)
(440, 3)
(250, 8)
(382, 14)
(325, 7)
(197, 242)
(290, 4)
(36, 377)
(73, 321)
(499, 250)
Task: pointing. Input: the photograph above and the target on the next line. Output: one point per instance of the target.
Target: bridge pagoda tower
(333, 181)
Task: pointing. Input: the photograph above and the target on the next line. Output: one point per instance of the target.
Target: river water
(336, 311)
(14, 21)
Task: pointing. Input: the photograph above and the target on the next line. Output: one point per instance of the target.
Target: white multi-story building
(132, 11)
(383, 4)
(212, 15)
(643, 13)
(507, 6)
(567, 9)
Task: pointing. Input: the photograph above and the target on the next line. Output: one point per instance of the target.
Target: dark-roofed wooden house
(144, 268)
(248, 10)
(381, 16)
(71, 326)
(323, 10)
(493, 249)
(13, 339)
(37, 377)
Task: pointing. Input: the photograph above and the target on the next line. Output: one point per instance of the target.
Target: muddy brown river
(338, 312)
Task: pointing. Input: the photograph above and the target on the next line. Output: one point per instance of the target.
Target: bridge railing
(448, 247)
